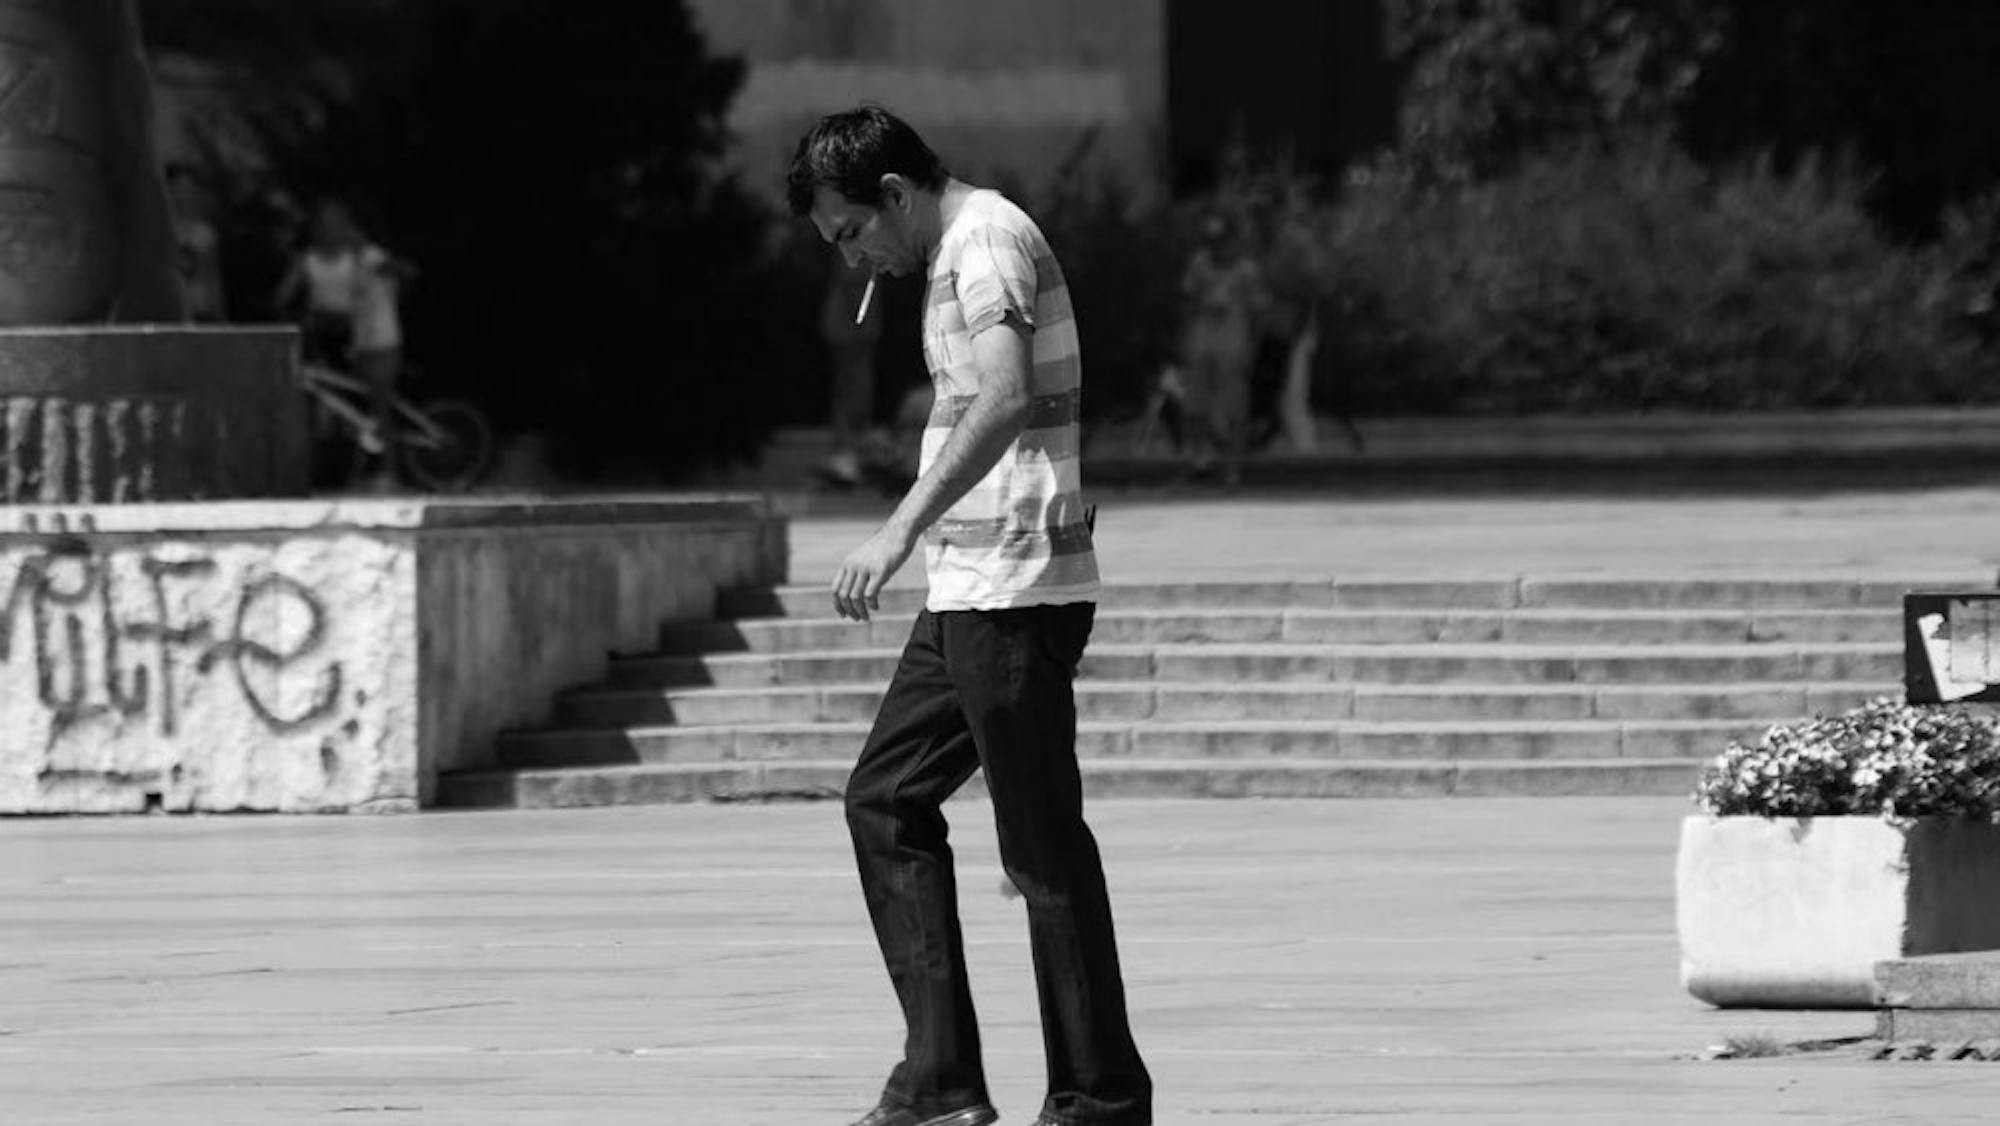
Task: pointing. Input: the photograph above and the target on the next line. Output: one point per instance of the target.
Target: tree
(1908, 87)
(551, 168)
(556, 177)
(1492, 81)
(1905, 87)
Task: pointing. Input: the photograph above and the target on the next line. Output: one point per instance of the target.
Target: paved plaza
(1471, 961)
(1157, 536)
(1442, 961)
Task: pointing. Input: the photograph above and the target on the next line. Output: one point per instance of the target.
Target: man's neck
(950, 199)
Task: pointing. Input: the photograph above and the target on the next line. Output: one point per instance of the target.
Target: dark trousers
(379, 367)
(993, 690)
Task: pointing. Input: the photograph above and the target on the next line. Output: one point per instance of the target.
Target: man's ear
(896, 192)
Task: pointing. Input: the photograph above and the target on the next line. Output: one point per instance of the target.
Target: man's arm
(997, 415)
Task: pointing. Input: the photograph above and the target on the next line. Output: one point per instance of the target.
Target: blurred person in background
(197, 246)
(850, 338)
(351, 290)
(1222, 300)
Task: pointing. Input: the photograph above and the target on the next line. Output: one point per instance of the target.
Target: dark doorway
(1308, 79)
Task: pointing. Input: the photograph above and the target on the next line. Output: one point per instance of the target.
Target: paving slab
(1503, 961)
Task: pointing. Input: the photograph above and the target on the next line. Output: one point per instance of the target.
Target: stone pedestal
(122, 414)
(326, 657)
(1940, 997)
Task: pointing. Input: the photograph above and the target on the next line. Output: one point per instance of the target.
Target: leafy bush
(1631, 278)
(1124, 254)
(1492, 81)
(1882, 759)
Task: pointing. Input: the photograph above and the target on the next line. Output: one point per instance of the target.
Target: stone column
(100, 401)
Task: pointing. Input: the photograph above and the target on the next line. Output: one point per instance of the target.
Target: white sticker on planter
(1795, 913)
(1939, 650)
(1974, 658)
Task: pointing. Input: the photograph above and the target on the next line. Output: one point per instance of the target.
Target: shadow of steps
(1340, 664)
(1240, 739)
(1133, 701)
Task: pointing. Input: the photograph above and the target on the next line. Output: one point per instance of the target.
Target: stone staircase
(1340, 689)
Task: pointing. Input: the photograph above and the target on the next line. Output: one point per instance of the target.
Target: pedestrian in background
(1222, 299)
(850, 332)
(197, 245)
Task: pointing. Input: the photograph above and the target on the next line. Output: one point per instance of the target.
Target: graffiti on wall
(102, 636)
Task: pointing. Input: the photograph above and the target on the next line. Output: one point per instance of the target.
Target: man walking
(985, 681)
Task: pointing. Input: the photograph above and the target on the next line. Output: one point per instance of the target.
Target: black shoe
(977, 1115)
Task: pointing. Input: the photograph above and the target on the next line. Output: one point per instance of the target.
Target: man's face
(875, 237)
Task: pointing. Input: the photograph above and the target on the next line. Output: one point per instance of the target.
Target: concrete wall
(324, 657)
(523, 602)
(1000, 90)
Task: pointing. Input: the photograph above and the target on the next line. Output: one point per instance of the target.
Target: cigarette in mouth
(867, 295)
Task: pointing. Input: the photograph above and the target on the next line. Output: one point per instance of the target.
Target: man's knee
(861, 798)
(872, 796)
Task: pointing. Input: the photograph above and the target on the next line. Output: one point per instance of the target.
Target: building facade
(1006, 92)
(1150, 91)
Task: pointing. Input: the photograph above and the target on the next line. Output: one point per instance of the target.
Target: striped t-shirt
(1018, 537)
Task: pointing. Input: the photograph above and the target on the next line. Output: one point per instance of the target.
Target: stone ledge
(1969, 980)
(325, 657)
(387, 514)
(1941, 998)
(1937, 1025)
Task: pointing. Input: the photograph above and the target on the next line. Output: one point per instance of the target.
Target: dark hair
(850, 152)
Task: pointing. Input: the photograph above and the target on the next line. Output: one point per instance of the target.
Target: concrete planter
(1795, 913)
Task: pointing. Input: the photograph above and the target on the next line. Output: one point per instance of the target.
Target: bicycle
(444, 445)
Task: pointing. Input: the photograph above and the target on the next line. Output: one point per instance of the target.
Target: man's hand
(857, 586)
(998, 413)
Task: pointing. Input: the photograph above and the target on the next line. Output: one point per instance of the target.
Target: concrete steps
(1767, 592)
(1510, 686)
(1134, 701)
(1321, 664)
(562, 788)
(1353, 627)
(1211, 739)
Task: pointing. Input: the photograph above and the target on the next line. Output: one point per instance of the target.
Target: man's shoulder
(989, 212)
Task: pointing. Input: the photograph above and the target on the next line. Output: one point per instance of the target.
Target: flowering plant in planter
(1835, 844)
(1884, 759)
